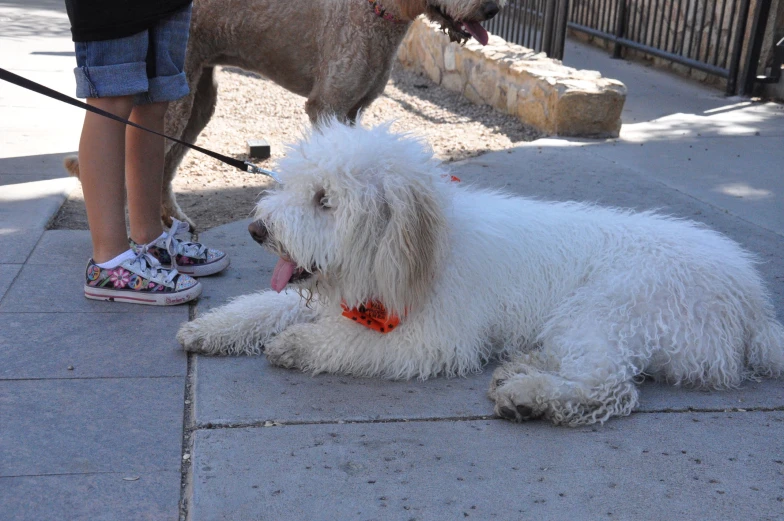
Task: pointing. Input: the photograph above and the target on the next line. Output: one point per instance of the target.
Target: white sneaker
(173, 250)
(140, 280)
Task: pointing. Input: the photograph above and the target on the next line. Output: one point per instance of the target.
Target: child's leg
(144, 172)
(112, 74)
(145, 152)
(145, 155)
(101, 160)
(144, 177)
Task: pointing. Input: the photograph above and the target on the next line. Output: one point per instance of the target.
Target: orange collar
(372, 315)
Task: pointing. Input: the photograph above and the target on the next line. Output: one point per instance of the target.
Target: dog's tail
(765, 351)
(71, 164)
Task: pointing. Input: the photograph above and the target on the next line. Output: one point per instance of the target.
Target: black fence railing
(539, 25)
(753, 63)
(707, 35)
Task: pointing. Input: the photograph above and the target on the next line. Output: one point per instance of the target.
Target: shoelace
(178, 246)
(150, 266)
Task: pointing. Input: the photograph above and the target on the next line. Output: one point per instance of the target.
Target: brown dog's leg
(351, 117)
(354, 113)
(198, 107)
(333, 98)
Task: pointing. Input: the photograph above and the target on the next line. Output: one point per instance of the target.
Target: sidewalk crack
(186, 468)
(289, 423)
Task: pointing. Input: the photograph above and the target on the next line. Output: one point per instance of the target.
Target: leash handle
(245, 166)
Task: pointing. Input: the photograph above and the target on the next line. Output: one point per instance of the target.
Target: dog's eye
(322, 199)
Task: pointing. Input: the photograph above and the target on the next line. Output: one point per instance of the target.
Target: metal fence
(707, 35)
(539, 25)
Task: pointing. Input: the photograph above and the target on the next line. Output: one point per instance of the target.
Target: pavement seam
(186, 465)
(18, 273)
(95, 473)
(13, 280)
(50, 379)
(71, 312)
(137, 314)
(284, 423)
(778, 408)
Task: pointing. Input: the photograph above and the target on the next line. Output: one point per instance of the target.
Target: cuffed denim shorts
(148, 65)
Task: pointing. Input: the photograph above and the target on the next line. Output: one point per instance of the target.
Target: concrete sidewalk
(103, 417)
(91, 396)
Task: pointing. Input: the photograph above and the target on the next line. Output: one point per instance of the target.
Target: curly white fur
(581, 301)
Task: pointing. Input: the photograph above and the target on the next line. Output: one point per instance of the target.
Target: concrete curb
(30, 206)
(25, 212)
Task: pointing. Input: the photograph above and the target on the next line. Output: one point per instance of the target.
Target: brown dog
(337, 53)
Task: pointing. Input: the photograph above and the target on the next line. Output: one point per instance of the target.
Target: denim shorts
(148, 65)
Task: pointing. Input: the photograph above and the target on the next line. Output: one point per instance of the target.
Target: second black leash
(245, 166)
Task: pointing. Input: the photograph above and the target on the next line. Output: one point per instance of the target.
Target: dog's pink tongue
(477, 31)
(282, 274)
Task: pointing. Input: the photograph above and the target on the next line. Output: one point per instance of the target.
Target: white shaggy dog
(580, 301)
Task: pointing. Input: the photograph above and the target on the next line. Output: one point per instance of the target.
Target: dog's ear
(409, 249)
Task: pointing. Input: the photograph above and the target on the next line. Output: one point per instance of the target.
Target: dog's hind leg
(318, 109)
(245, 324)
(523, 390)
(186, 118)
(364, 103)
(584, 372)
(339, 97)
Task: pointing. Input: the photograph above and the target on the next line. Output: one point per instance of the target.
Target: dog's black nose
(258, 231)
(489, 10)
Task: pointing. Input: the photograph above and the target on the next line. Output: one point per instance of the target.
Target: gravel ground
(251, 107)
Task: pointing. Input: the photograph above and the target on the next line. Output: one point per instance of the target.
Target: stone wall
(541, 92)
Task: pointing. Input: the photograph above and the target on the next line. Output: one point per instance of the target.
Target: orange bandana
(372, 315)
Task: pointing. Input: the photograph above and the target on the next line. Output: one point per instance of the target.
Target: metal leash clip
(253, 169)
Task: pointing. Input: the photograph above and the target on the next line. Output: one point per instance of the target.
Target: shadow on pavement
(26, 169)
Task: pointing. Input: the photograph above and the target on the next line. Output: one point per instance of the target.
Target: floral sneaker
(140, 279)
(190, 258)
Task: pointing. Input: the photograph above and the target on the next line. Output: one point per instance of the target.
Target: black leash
(245, 166)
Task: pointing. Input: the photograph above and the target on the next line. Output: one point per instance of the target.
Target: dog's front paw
(284, 350)
(192, 338)
(201, 336)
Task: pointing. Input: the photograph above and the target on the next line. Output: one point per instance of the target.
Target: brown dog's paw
(170, 209)
(71, 164)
